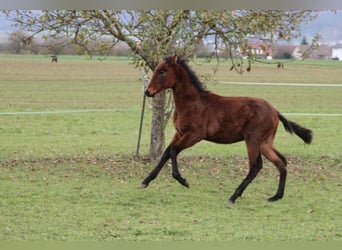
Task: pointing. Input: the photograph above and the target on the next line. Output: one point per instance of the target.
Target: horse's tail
(304, 133)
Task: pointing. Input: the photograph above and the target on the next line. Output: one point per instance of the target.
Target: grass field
(75, 176)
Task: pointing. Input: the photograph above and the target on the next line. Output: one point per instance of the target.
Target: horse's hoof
(186, 183)
(230, 203)
(273, 198)
(143, 185)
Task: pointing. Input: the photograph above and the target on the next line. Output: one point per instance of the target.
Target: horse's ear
(174, 59)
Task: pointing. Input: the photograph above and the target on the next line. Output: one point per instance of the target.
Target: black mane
(193, 77)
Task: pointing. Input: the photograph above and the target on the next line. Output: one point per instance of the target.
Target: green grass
(99, 199)
(74, 176)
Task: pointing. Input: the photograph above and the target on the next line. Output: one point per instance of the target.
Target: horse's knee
(256, 166)
(258, 163)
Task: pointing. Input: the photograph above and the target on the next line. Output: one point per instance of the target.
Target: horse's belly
(225, 139)
(227, 133)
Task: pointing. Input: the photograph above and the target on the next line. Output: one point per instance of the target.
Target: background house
(260, 50)
(337, 52)
(299, 51)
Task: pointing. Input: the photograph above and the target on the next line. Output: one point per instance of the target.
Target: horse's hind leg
(255, 165)
(280, 162)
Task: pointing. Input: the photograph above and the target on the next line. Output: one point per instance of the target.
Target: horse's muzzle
(147, 93)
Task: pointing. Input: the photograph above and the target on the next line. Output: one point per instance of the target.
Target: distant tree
(55, 46)
(283, 52)
(152, 34)
(287, 55)
(304, 41)
(19, 41)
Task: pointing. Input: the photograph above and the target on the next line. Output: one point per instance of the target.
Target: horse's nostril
(147, 93)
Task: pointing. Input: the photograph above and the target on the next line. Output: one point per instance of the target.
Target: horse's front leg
(154, 173)
(187, 140)
(175, 172)
(165, 157)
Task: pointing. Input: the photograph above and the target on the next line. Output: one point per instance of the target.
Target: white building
(337, 52)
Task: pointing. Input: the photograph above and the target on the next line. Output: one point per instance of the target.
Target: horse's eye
(161, 72)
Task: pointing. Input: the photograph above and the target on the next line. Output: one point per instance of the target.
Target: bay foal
(202, 115)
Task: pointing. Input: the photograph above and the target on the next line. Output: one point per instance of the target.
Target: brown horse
(201, 115)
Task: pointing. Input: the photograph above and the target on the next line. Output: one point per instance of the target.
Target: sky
(328, 24)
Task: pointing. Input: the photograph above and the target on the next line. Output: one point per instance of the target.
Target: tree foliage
(152, 34)
(19, 41)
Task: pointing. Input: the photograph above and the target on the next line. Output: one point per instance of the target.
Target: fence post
(145, 80)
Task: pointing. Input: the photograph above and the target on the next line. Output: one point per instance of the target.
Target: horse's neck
(185, 90)
(185, 93)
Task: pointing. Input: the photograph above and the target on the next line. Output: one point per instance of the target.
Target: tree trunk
(157, 128)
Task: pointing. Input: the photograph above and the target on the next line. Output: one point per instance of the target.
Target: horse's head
(163, 77)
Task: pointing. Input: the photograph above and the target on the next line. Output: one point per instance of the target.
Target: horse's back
(238, 106)
(232, 119)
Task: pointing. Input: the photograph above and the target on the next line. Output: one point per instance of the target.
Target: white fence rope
(284, 84)
(64, 111)
(312, 114)
(234, 83)
(127, 109)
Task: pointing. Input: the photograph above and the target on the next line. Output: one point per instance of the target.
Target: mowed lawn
(68, 136)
